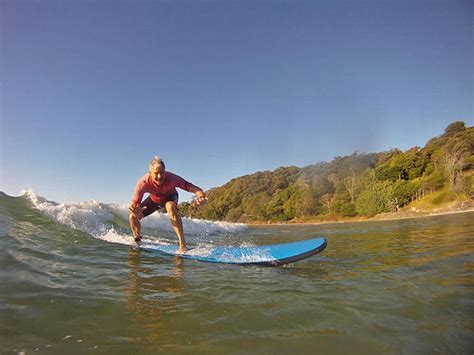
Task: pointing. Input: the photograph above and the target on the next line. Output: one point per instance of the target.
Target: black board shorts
(152, 206)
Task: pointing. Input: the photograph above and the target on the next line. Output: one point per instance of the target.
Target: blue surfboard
(276, 254)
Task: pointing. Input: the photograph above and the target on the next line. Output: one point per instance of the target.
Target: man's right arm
(136, 212)
(137, 195)
(134, 207)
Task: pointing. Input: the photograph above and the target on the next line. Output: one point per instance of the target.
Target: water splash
(90, 216)
(96, 219)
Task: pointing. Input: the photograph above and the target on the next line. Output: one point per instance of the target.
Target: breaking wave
(109, 222)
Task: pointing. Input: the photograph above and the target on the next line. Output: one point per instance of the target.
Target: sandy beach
(455, 208)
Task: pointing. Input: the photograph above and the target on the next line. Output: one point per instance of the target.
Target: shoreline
(389, 216)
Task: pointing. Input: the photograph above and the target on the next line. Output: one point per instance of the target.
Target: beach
(400, 215)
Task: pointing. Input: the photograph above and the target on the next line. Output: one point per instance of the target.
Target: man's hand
(137, 210)
(200, 199)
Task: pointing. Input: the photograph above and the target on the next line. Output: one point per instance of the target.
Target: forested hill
(359, 184)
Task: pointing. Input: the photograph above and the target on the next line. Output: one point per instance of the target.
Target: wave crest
(96, 218)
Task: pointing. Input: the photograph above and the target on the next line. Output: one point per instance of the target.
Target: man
(161, 185)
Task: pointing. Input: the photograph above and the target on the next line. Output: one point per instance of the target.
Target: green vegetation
(356, 185)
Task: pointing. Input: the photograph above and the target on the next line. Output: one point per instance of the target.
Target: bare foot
(182, 250)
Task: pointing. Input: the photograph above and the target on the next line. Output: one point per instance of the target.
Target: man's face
(157, 173)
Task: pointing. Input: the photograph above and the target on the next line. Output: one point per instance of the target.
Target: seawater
(72, 282)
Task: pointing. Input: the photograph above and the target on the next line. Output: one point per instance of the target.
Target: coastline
(388, 216)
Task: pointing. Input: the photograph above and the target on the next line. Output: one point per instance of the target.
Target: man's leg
(136, 226)
(146, 208)
(177, 224)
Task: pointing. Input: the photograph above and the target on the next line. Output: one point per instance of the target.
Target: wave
(109, 222)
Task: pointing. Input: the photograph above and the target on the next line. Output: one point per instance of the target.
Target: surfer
(161, 185)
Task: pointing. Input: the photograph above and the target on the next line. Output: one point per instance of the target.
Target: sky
(92, 90)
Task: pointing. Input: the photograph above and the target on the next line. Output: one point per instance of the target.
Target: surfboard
(275, 254)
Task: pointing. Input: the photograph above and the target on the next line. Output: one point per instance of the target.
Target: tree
(457, 153)
(432, 182)
(452, 161)
(402, 193)
(348, 209)
(455, 127)
(407, 165)
(350, 184)
(328, 201)
(375, 198)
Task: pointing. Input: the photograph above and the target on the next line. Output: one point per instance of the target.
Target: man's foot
(138, 239)
(182, 250)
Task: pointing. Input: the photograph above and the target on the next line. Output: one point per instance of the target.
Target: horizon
(220, 90)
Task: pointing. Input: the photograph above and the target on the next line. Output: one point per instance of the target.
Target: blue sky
(92, 90)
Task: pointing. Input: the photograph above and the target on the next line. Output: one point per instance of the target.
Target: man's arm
(200, 195)
(187, 186)
(136, 212)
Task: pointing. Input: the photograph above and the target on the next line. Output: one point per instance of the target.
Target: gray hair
(157, 161)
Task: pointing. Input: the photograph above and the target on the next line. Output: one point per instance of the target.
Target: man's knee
(132, 217)
(172, 210)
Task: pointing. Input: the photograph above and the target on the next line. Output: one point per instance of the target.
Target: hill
(362, 184)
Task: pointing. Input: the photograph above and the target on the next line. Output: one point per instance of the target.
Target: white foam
(95, 218)
(232, 255)
(248, 255)
(112, 236)
(202, 251)
(89, 216)
(160, 221)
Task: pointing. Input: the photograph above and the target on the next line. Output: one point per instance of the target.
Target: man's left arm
(200, 194)
(187, 186)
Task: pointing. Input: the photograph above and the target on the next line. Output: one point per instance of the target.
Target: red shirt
(159, 193)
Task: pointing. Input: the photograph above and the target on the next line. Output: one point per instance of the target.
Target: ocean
(71, 281)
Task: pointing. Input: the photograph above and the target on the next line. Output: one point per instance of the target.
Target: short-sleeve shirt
(159, 193)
